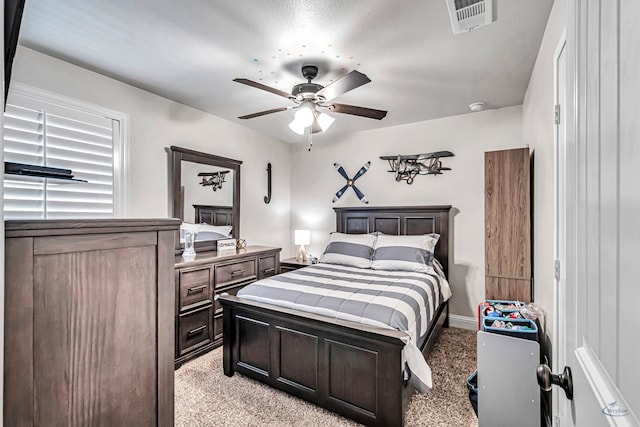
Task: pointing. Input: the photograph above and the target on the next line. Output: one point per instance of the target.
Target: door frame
(558, 356)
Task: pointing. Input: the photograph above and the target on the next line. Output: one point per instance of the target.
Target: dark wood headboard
(401, 220)
(214, 215)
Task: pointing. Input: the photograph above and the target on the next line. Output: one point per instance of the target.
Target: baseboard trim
(464, 322)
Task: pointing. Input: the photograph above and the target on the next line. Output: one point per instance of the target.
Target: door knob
(564, 380)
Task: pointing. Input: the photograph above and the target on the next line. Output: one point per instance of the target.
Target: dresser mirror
(205, 189)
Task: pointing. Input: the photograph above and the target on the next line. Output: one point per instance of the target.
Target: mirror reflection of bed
(211, 222)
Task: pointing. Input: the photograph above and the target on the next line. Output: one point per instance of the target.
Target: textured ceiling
(191, 50)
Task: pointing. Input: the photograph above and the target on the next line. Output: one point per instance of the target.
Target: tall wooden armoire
(507, 219)
(89, 322)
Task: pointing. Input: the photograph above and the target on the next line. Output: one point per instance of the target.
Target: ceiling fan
(311, 98)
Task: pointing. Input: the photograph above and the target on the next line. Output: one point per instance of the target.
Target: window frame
(120, 147)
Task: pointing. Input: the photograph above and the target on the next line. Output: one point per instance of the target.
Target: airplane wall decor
(407, 167)
(213, 179)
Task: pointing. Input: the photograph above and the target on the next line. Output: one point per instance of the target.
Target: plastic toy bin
(531, 334)
(505, 303)
(482, 309)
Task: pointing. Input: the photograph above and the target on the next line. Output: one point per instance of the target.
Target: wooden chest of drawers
(198, 285)
(88, 315)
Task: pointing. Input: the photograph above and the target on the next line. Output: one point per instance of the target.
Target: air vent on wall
(467, 15)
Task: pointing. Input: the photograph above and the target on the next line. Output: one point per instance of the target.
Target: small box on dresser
(201, 281)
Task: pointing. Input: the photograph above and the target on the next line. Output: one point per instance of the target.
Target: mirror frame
(178, 154)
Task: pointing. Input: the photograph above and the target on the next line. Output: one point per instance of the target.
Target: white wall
(157, 123)
(468, 136)
(538, 132)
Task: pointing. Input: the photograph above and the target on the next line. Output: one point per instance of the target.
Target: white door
(599, 224)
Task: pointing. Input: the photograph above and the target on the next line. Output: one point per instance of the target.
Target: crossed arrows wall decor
(350, 182)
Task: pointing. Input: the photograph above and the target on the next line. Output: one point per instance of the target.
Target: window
(50, 130)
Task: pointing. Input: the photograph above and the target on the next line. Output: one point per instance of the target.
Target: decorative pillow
(404, 253)
(205, 231)
(353, 250)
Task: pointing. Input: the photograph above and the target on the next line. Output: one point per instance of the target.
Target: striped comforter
(399, 300)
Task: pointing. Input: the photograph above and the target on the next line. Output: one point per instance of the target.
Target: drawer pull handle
(237, 273)
(269, 270)
(196, 289)
(196, 330)
(216, 296)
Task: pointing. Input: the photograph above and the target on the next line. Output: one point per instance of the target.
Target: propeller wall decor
(310, 99)
(350, 182)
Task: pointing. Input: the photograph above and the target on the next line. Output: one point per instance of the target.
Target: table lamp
(302, 237)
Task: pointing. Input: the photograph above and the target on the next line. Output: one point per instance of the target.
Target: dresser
(507, 207)
(198, 285)
(89, 322)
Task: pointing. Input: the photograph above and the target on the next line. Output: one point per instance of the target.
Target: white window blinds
(39, 132)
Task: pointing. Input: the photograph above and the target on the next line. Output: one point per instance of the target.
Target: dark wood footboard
(345, 367)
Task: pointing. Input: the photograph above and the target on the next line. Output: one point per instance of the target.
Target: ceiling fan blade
(262, 113)
(263, 87)
(370, 113)
(343, 84)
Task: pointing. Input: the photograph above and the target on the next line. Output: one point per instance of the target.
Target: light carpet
(205, 397)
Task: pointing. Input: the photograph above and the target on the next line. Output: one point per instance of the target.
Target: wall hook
(267, 198)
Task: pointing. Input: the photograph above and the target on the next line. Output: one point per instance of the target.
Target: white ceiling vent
(467, 15)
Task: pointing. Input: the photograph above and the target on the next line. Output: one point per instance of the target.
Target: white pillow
(205, 231)
(353, 250)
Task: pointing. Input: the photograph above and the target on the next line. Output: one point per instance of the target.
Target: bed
(351, 368)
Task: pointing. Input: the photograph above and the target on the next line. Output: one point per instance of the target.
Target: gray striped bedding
(405, 301)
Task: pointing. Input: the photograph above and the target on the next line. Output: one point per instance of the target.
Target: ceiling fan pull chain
(310, 141)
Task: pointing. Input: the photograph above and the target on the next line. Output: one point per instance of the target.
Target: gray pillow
(353, 250)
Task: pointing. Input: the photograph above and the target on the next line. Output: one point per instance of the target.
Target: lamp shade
(324, 120)
(304, 115)
(297, 127)
(302, 237)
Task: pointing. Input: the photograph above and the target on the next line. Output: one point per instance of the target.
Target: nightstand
(291, 264)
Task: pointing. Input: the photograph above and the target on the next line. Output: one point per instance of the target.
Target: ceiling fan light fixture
(324, 120)
(304, 115)
(297, 126)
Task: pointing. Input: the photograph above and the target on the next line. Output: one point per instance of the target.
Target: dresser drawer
(195, 330)
(233, 290)
(240, 271)
(194, 287)
(217, 327)
(266, 266)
